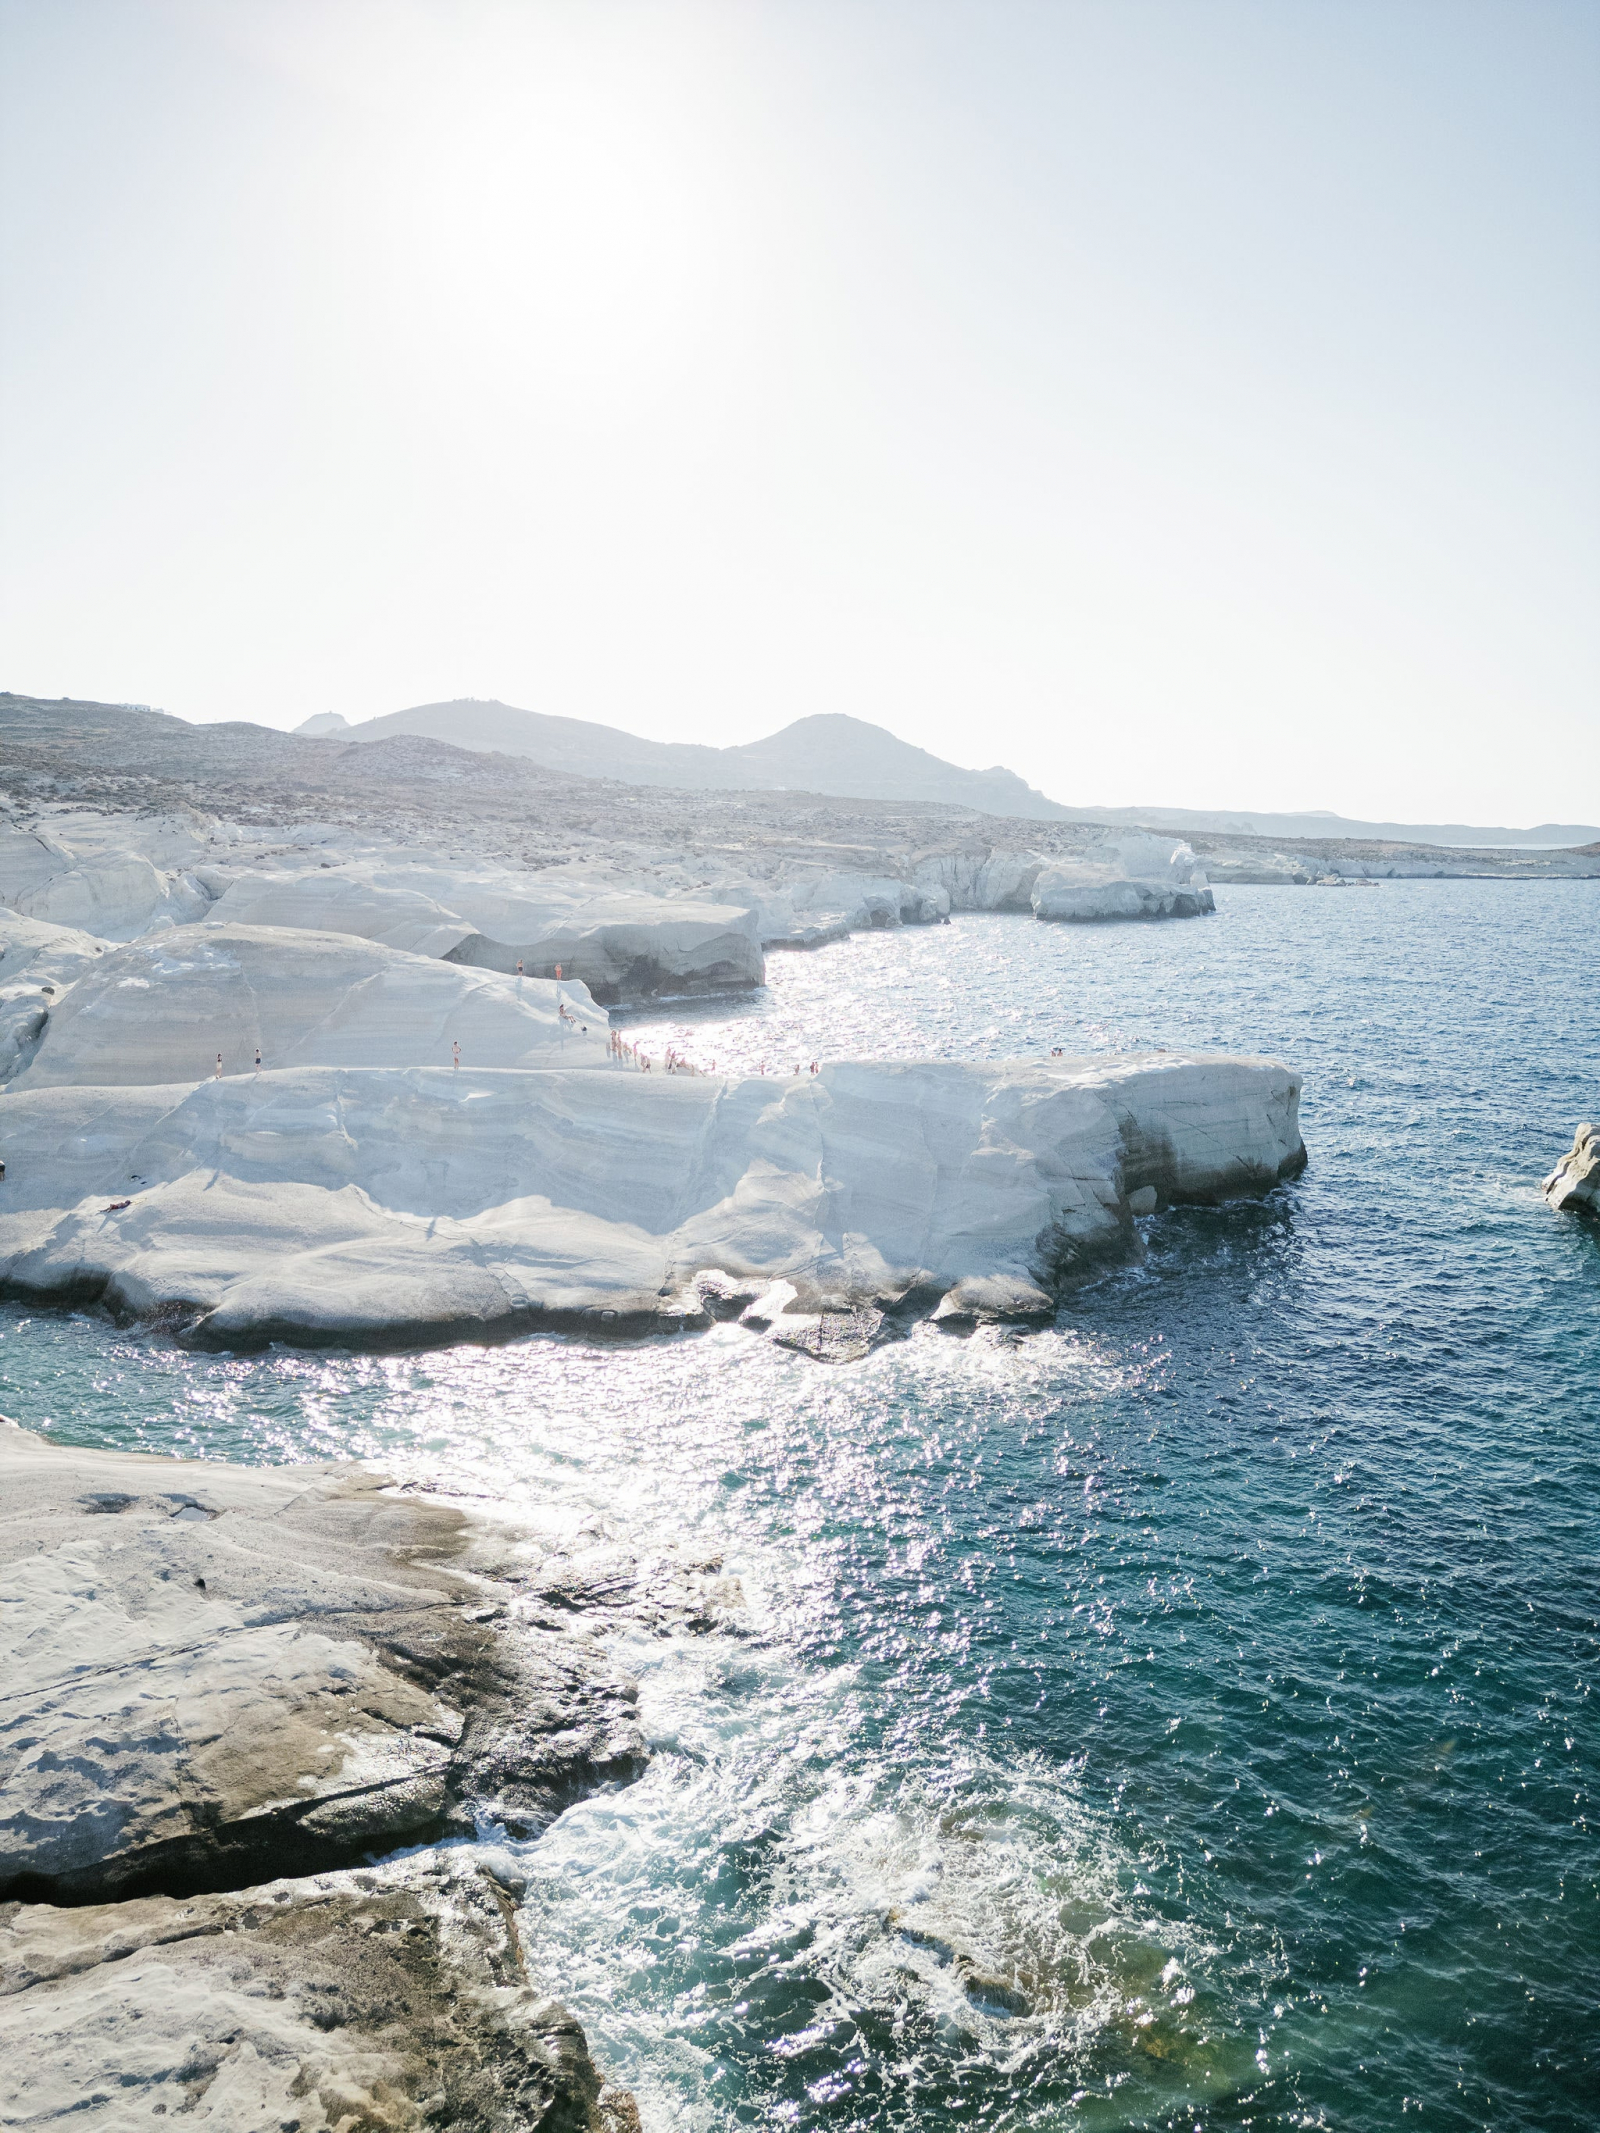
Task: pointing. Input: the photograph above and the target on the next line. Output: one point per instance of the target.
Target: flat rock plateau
(226, 1691)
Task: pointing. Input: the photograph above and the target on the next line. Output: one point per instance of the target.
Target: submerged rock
(1574, 1185)
(217, 1675)
(397, 1997)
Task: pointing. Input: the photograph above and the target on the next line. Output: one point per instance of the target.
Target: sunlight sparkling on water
(1179, 1718)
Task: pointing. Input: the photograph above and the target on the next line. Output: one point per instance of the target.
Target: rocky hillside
(846, 758)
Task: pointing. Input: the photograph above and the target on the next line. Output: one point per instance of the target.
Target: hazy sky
(1177, 400)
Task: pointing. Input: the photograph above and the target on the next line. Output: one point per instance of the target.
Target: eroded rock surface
(40, 963)
(395, 1998)
(216, 1675)
(632, 945)
(1128, 876)
(164, 1009)
(315, 1204)
(1574, 1185)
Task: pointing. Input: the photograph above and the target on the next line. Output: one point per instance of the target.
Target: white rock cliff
(377, 1203)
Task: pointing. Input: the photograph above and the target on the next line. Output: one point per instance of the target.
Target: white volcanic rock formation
(623, 946)
(1125, 877)
(983, 880)
(90, 874)
(1574, 1185)
(809, 906)
(315, 1204)
(342, 899)
(1131, 877)
(38, 963)
(160, 1010)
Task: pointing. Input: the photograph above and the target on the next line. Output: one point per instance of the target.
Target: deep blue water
(1183, 1718)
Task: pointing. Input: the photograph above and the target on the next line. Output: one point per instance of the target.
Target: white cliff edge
(623, 945)
(335, 1203)
(632, 923)
(164, 1009)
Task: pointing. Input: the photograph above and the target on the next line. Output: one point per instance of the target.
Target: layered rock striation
(164, 1009)
(96, 875)
(396, 1997)
(382, 1204)
(1573, 1187)
(39, 964)
(1128, 877)
(218, 1674)
(627, 946)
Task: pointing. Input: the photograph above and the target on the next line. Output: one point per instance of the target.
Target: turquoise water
(1183, 1718)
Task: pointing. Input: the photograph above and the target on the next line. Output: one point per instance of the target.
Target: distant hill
(1319, 822)
(830, 753)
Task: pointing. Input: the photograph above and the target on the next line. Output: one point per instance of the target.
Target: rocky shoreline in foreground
(229, 1690)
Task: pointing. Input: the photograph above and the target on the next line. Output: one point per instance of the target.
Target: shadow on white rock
(39, 963)
(114, 894)
(1573, 1187)
(622, 946)
(396, 1997)
(216, 1674)
(383, 1206)
(343, 900)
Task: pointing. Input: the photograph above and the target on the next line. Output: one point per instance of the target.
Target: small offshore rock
(830, 1336)
(1573, 1187)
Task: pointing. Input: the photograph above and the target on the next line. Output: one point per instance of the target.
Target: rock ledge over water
(395, 1997)
(389, 1205)
(218, 1677)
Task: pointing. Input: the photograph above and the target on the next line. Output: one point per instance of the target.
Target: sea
(1184, 1716)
